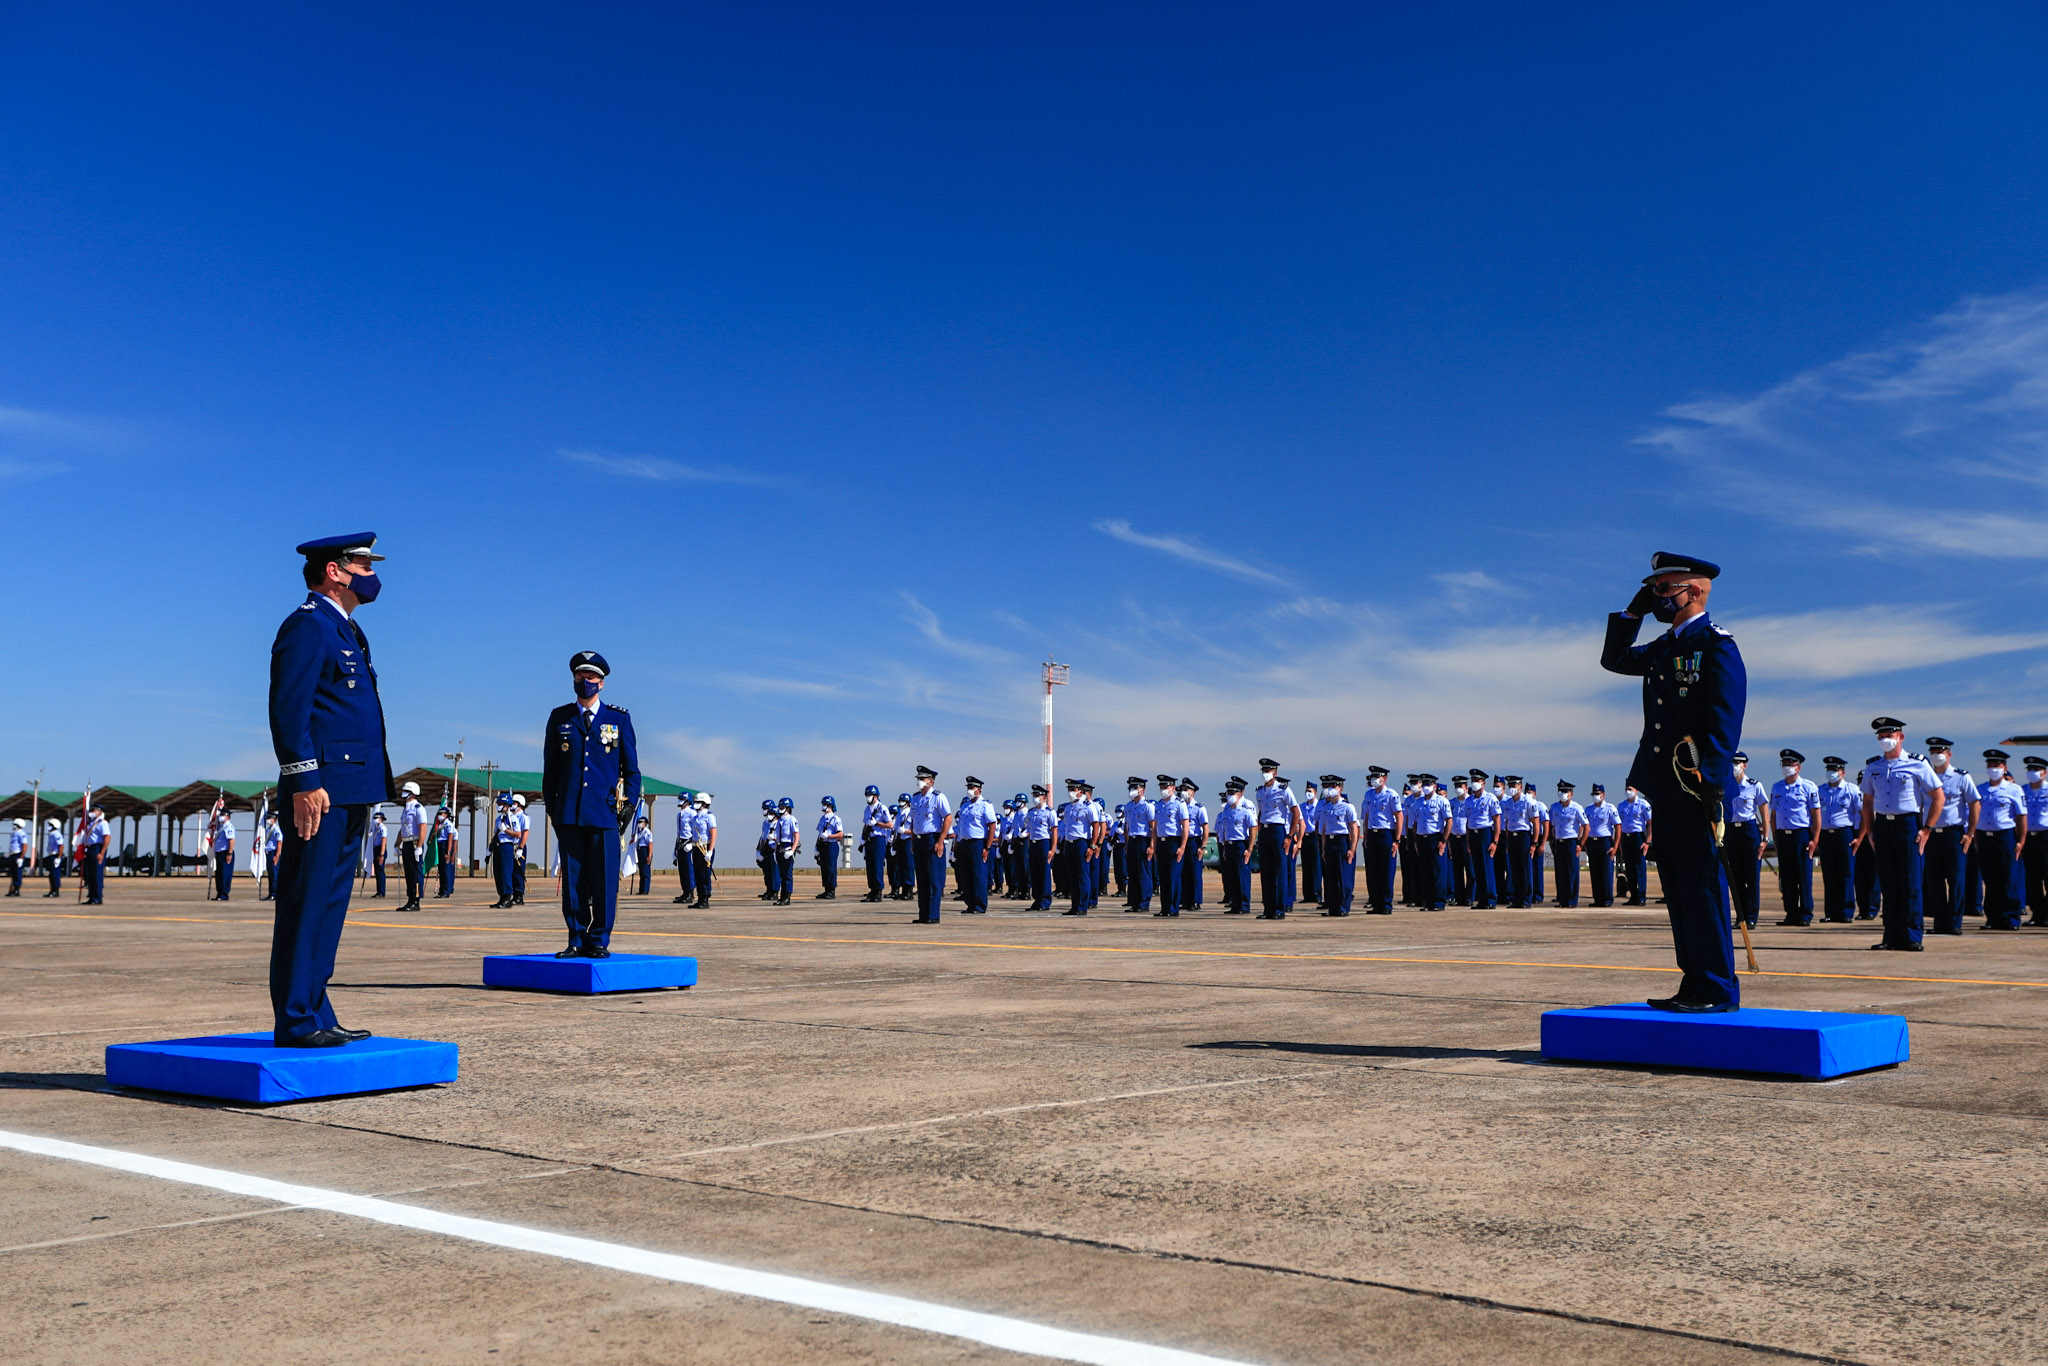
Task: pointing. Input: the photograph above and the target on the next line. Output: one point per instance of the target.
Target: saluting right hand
(1641, 604)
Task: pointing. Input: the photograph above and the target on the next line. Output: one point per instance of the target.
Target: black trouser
(1379, 870)
(1235, 866)
(1795, 875)
(827, 854)
(1340, 873)
(1635, 866)
(1994, 850)
(1041, 875)
(1427, 863)
(1476, 842)
(1564, 867)
(1461, 869)
(1514, 848)
(1739, 848)
(1869, 898)
(1898, 875)
(2036, 880)
(415, 878)
(1272, 867)
(1600, 863)
(1941, 879)
(1311, 859)
(1837, 876)
(92, 871)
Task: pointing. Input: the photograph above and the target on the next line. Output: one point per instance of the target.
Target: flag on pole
(258, 856)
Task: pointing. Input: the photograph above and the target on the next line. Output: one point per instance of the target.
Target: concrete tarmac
(1313, 1141)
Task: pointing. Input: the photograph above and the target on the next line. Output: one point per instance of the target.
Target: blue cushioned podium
(589, 976)
(250, 1067)
(1814, 1044)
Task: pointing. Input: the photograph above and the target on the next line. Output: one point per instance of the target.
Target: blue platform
(1814, 1044)
(250, 1067)
(589, 976)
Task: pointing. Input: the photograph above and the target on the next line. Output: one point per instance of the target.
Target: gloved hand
(1643, 603)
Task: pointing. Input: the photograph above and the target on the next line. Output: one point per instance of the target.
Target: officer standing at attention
(2001, 839)
(2034, 852)
(1041, 833)
(705, 856)
(686, 840)
(504, 839)
(1191, 879)
(974, 836)
(447, 841)
(1795, 822)
(1539, 842)
(1311, 856)
(830, 842)
(783, 833)
(590, 783)
(1461, 860)
(1841, 811)
(1432, 831)
(1385, 825)
(377, 842)
(17, 855)
(412, 822)
(643, 854)
(1277, 808)
(1635, 817)
(273, 840)
(1482, 834)
(1742, 846)
(1516, 835)
(1949, 839)
(1169, 845)
(1567, 843)
(220, 838)
(1902, 799)
(1869, 901)
(1138, 847)
(1694, 692)
(877, 823)
(53, 856)
(1601, 823)
(1077, 833)
(92, 856)
(931, 821)
(1339, 832)
(525, 823)
(902, 886)
(327, 729)
(1236, 822)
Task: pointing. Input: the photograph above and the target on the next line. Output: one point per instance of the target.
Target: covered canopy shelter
(473, 790)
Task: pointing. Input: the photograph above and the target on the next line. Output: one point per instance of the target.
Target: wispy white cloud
(37, 428)
(755, 684)
(657, 470)
(1191, 551)
(927, 623)
(1936, 444)
(1867, 642)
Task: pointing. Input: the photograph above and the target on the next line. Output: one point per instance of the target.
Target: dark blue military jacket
(326, 722)
(1693, 685)
(582, 766)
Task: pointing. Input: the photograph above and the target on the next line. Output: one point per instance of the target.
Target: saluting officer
(590, 783)
(1694, 692)
(1841, 811)
(327, 729)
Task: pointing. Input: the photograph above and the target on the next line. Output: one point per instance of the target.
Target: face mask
(1995, 772)
(2037, 774)
(1940, 762)
(1741, 767)
(1428, 790)
(1666, 609)
(1834, 775)
(1269, 777)
(366, 586)
(1631, 794)
(1890, 744)
(1791, 770)
(586, 688)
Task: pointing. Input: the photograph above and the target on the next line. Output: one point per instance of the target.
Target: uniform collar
(1689, 627)
(332, 605)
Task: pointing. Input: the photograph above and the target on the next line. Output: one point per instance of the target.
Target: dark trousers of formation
(590, 883)
(314, 879)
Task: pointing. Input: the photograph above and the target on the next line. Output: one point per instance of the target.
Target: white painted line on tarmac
(1015, 1335)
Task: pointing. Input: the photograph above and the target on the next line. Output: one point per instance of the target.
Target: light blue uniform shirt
(2036, 795)
(1078, 821)
(876, 819)
(1744, 800)
(273, 836)
(1039, 822)
(830, 824)
(902, 831)
(976, 816)
(1432, 814)
(928, 812)
(1792, 803)
(53, 844)
(1277, 804)
(686, 822)
(1198, 820)
(1635, 815)
(1169, 816)
(17, 842)
(1457, 815)
(1138, 819)
(1841, 806)
(224, 836)
(1482, 809)
(1380, 807)
(1517, 813)
(96, 833)
(1960, 790)
(2003, 807)
(1234, 821)
(784, 831)
(1567, 819)
(1601, 819)
(411, 820)
(644, 838)
(1899, 787)
(1337, 817)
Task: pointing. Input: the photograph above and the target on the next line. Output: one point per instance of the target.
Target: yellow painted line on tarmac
(1046, 948)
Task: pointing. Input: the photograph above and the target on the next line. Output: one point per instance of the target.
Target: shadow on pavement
(1359, 1050)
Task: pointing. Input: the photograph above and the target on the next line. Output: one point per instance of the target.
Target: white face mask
(1631, 794)
(1791, 770)
(1940, 762)
(1741, 767)
(1270, 777)
(1890, 743)
(2037, 775)
(1378, 783)
(1995, 772)
(1834, 775)
(1428, 789)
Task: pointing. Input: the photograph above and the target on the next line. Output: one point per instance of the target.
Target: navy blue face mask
(586, 688)
(365, 585)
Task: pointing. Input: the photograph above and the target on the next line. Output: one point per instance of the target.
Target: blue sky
(1312, 380)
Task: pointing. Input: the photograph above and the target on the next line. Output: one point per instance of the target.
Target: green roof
(139, 793)
(525, 780)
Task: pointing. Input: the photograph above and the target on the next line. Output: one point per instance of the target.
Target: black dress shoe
(1169, 915)
(319, 1038)
(597, 952)
(1683, 1007)
(351, 1034)
(1073, 912)
(679, 901)
(571, 952)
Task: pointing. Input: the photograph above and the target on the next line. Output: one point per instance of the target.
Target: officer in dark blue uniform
(590, 781)
(327, 727)
(1694, 692)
